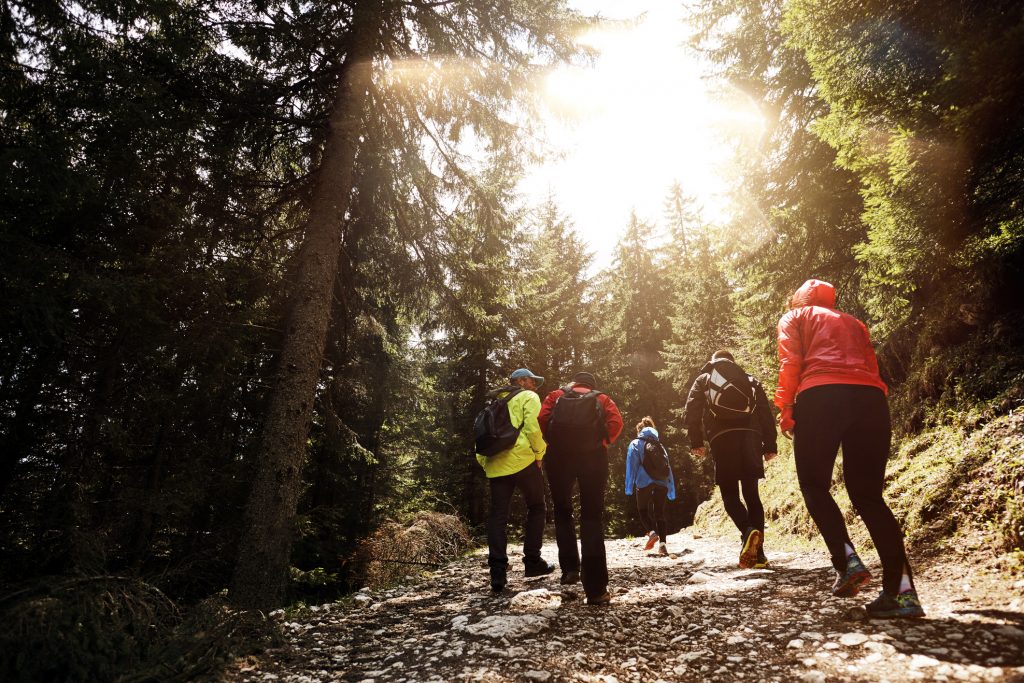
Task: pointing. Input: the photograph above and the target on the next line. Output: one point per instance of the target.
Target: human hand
(698, 451)
(769, 456)
(786, 422)
(539, 466)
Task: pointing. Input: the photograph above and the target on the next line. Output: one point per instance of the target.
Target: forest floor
(692, 616)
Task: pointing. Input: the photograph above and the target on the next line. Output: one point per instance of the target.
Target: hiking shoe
(652, 540)
(662, 549)
(751, 547)
(762, 560)
(570, 577)
(539, 568)
(498, 579)
(602, 599)
(849, 582)
(906, 605)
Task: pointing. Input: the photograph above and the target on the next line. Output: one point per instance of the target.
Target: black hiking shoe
(539, 568)
(570, 577)
(762, 560)
(906, 605)
(848, 583)
(498, 578)
(600, 600)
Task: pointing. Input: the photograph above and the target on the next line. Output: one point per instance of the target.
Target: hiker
(728, 408)
(649, 476)
(579, 423)
(518, 466)
(831, 396)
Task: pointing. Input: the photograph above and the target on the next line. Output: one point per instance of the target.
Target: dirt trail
(694, 616)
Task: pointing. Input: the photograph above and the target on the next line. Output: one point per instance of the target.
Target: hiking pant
(857, 418)
(746, 517)
(737, 461)
(530, 481)
(566, 468)
(650, 503)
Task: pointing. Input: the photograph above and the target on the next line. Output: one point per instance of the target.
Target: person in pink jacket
(831, 396)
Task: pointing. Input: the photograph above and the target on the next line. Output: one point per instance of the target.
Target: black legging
(751, 516)
(650, 503)
(856, 418)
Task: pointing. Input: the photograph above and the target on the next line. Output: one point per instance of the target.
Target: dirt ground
(693, 616)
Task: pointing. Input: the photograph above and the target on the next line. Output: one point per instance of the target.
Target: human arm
(671, 483)
(530, 426)
(612, 419)
(545, 410)
(765, 421)
(632, 465)
(695, 415)
(791, 359)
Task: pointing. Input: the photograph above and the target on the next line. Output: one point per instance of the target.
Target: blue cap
(523, 372)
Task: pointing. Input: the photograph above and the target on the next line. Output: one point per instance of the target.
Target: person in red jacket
(831, 395)
(579, 423)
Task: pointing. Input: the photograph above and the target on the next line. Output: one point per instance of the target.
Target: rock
(534, 600)
(921, 661)
(811, 635)
(732, 640)
(852, 639)
(795, 644)
(541, 676)
(1011, 631)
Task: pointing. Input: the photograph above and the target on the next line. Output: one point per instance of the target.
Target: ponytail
(646, 422)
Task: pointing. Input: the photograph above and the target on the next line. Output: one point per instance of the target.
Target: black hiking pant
(530, 481)
(855, 418)
(566, 468)
(650, 503)
(746, 517)
(738, 463)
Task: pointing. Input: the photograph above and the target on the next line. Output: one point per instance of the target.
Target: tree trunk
(261, 570)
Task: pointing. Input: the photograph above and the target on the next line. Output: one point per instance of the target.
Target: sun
(641, 117)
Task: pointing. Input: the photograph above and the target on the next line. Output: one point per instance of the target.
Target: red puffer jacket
(820, 345)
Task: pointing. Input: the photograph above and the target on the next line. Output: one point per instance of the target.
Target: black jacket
(702, 425)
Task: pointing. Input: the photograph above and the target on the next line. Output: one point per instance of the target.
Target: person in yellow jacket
(517, 467)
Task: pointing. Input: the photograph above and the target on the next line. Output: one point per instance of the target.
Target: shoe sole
(651, 542)
(852, 585)
(902, 613)
(748, 556)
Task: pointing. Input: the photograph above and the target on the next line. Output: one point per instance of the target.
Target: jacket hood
(648, 433)
(814, 293)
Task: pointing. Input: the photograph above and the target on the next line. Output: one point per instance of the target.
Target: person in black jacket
(728, 408)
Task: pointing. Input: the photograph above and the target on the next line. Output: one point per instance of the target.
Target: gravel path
(694, 616)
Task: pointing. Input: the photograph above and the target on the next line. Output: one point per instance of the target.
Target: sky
(643, 115)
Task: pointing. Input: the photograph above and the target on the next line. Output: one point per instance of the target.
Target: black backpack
(654, 459)
(577, 420)
(493, 429)
(729, 391)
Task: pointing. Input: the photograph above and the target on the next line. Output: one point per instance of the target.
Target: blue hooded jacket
(636, 475)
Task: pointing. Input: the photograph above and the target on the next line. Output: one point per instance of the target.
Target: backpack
(493, 430)
(654, 459)
(577, 420)
(729, 391)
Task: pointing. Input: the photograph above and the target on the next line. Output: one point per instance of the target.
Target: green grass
(954, 489)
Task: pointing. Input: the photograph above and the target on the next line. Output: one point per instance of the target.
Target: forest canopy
(262, 262)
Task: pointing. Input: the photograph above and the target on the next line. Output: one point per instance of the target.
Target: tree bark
(260, 574)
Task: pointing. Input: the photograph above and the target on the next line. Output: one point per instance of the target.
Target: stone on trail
(852, 639)
(535, 600)
(795, 644)
(541, 676)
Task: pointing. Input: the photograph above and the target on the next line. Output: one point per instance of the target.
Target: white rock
(852, 639)
(541, 676)
(795, 644)
(510, 626)
(921, 661)
(732, 640)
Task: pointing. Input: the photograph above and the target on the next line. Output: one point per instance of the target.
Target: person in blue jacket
(649, 476)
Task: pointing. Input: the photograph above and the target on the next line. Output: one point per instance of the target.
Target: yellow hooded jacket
(528, 448)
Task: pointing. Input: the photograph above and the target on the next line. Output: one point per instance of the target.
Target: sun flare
(640, 117)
